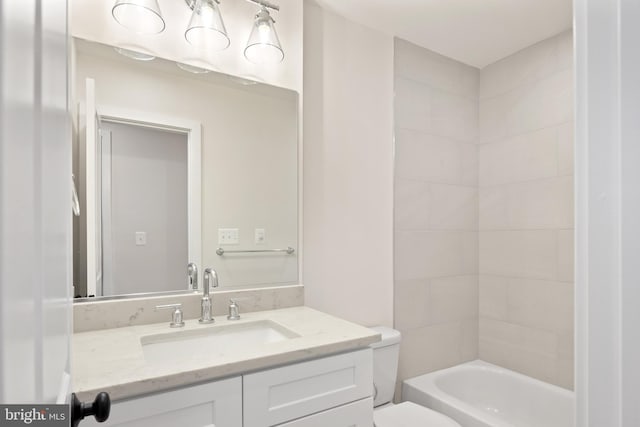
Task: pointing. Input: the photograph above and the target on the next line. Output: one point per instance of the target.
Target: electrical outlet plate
(228, 236)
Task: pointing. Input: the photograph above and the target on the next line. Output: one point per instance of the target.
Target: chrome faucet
(192, 273)
(210, 280)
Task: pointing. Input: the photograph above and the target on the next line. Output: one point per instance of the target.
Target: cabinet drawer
(356, 414)
(279, 395)
(216, 404)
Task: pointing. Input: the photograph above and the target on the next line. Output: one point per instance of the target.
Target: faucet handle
(234, 312)
(177, 318)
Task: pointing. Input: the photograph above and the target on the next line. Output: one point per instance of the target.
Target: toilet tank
(385, 365)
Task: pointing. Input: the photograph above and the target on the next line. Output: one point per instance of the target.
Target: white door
(90, 125)
(35, 203)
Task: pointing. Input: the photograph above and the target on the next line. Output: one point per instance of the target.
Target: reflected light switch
(228, 236)
(141, 238)
(260, 235)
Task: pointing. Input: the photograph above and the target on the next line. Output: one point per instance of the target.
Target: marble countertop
(113, 360)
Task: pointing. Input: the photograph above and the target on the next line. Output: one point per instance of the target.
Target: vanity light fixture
(264, 46)
(206, 28)
(140, 16)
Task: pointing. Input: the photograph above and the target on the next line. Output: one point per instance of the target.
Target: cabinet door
(216, 404)
(357, 414)
(283, 394)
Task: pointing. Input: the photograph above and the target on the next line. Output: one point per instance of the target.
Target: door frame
(193, 131)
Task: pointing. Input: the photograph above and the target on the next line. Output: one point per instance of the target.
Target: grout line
(439, 89)
(508, 137)
(494, 230)
(440, 230)
(524, 84)
(525, 278)
(525, 181)
(399, 178)
(431, 133)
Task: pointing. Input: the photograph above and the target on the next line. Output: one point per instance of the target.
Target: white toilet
(385, 370)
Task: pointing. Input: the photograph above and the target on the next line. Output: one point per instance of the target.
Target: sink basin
(212, 339)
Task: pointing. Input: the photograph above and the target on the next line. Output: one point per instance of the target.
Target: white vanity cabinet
(356, 414)
(214, 404)
(322, 387)
(333, 391)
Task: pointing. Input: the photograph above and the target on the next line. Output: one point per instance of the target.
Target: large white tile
(435, 254)
(454, 116)
(411, 205)
(545, 103)
(538, 105)
(565, 255)
(526, 66)
(453, 207)
(541, 304)
(430, 348)
(565, 148)
(494, 115)
(453, 299)
(412, 105)
(468, 164)
(524, 337)
(469, 341)
(528, 362)
(492, 297)
(411, 300)
(493, 208)
(546, 203)
(565, 50)
(528, 254)
(521, 158)
(420, 64)
(429, 158)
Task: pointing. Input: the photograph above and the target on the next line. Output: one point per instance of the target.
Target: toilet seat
(408, 414)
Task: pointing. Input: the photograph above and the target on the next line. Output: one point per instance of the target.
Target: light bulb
(264, 46)
(206, 28)
(140, 16)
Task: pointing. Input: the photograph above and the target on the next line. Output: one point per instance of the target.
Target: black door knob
(99, 408)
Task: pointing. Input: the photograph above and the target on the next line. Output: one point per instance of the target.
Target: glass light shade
(264, 46)
(135, 52)
(192, 68)
(140, 16)
(206, 29)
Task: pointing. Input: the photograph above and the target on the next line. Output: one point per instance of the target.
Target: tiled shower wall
(436, 210)
(484, 211)
(526, 211)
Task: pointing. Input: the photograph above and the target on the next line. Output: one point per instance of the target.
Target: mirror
(174, 165)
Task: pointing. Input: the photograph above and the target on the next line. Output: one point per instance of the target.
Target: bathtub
(479, 394)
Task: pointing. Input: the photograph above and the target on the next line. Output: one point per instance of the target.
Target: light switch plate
(141, 238)
(260, 236)
(228, 236)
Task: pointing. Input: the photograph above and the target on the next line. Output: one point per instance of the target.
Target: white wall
(436, 210)
(348, 169)
(249, 155)
(92, 20)
(148, 193)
